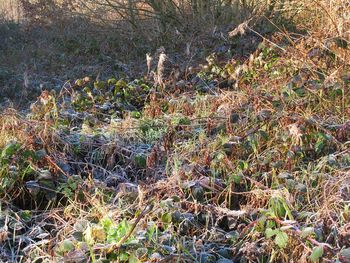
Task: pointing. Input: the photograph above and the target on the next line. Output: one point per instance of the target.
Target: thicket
(230, 143)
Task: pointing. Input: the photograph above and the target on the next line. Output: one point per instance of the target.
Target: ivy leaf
(281, 239)
(316, 254)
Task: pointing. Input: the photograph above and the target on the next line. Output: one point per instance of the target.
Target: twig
(48, 158)
(272, 43)
(97, 167)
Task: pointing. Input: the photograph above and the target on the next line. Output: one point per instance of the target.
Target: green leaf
(316, 254)
(151, 230)
(99, 84)
(79, 82)
(133, 259)
(281, 239)
(141, 161)
(166, 218)
(107, 223)
(135, 114)
(26, 215)
(271, 232)
(276, 205)
(260, 224)
(66, 246)
(88, 236)
(319, 146)
(10, 149)
(243, 165)
(123, 256)
(270, 223)
(307, 231)
(112, 81)
(184, 121)
(176, 198)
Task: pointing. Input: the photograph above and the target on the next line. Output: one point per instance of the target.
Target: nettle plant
(25, 175)
(110, 96)
(92, 238)
(15, 167)
(277, 223)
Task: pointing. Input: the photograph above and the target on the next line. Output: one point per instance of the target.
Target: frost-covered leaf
(307, 231)
(281, 239)
(270, 232)
(316, 254)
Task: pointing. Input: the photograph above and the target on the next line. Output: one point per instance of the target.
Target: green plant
(15, 167)
(280, 237)
(69, 188)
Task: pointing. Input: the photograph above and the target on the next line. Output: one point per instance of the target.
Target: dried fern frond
(149, 60)
(241, 29)
(160, 68)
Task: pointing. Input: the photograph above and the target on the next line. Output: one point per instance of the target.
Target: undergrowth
(239, 159)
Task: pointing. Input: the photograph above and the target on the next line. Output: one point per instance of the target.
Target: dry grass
(10, 10)
(244, 158)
